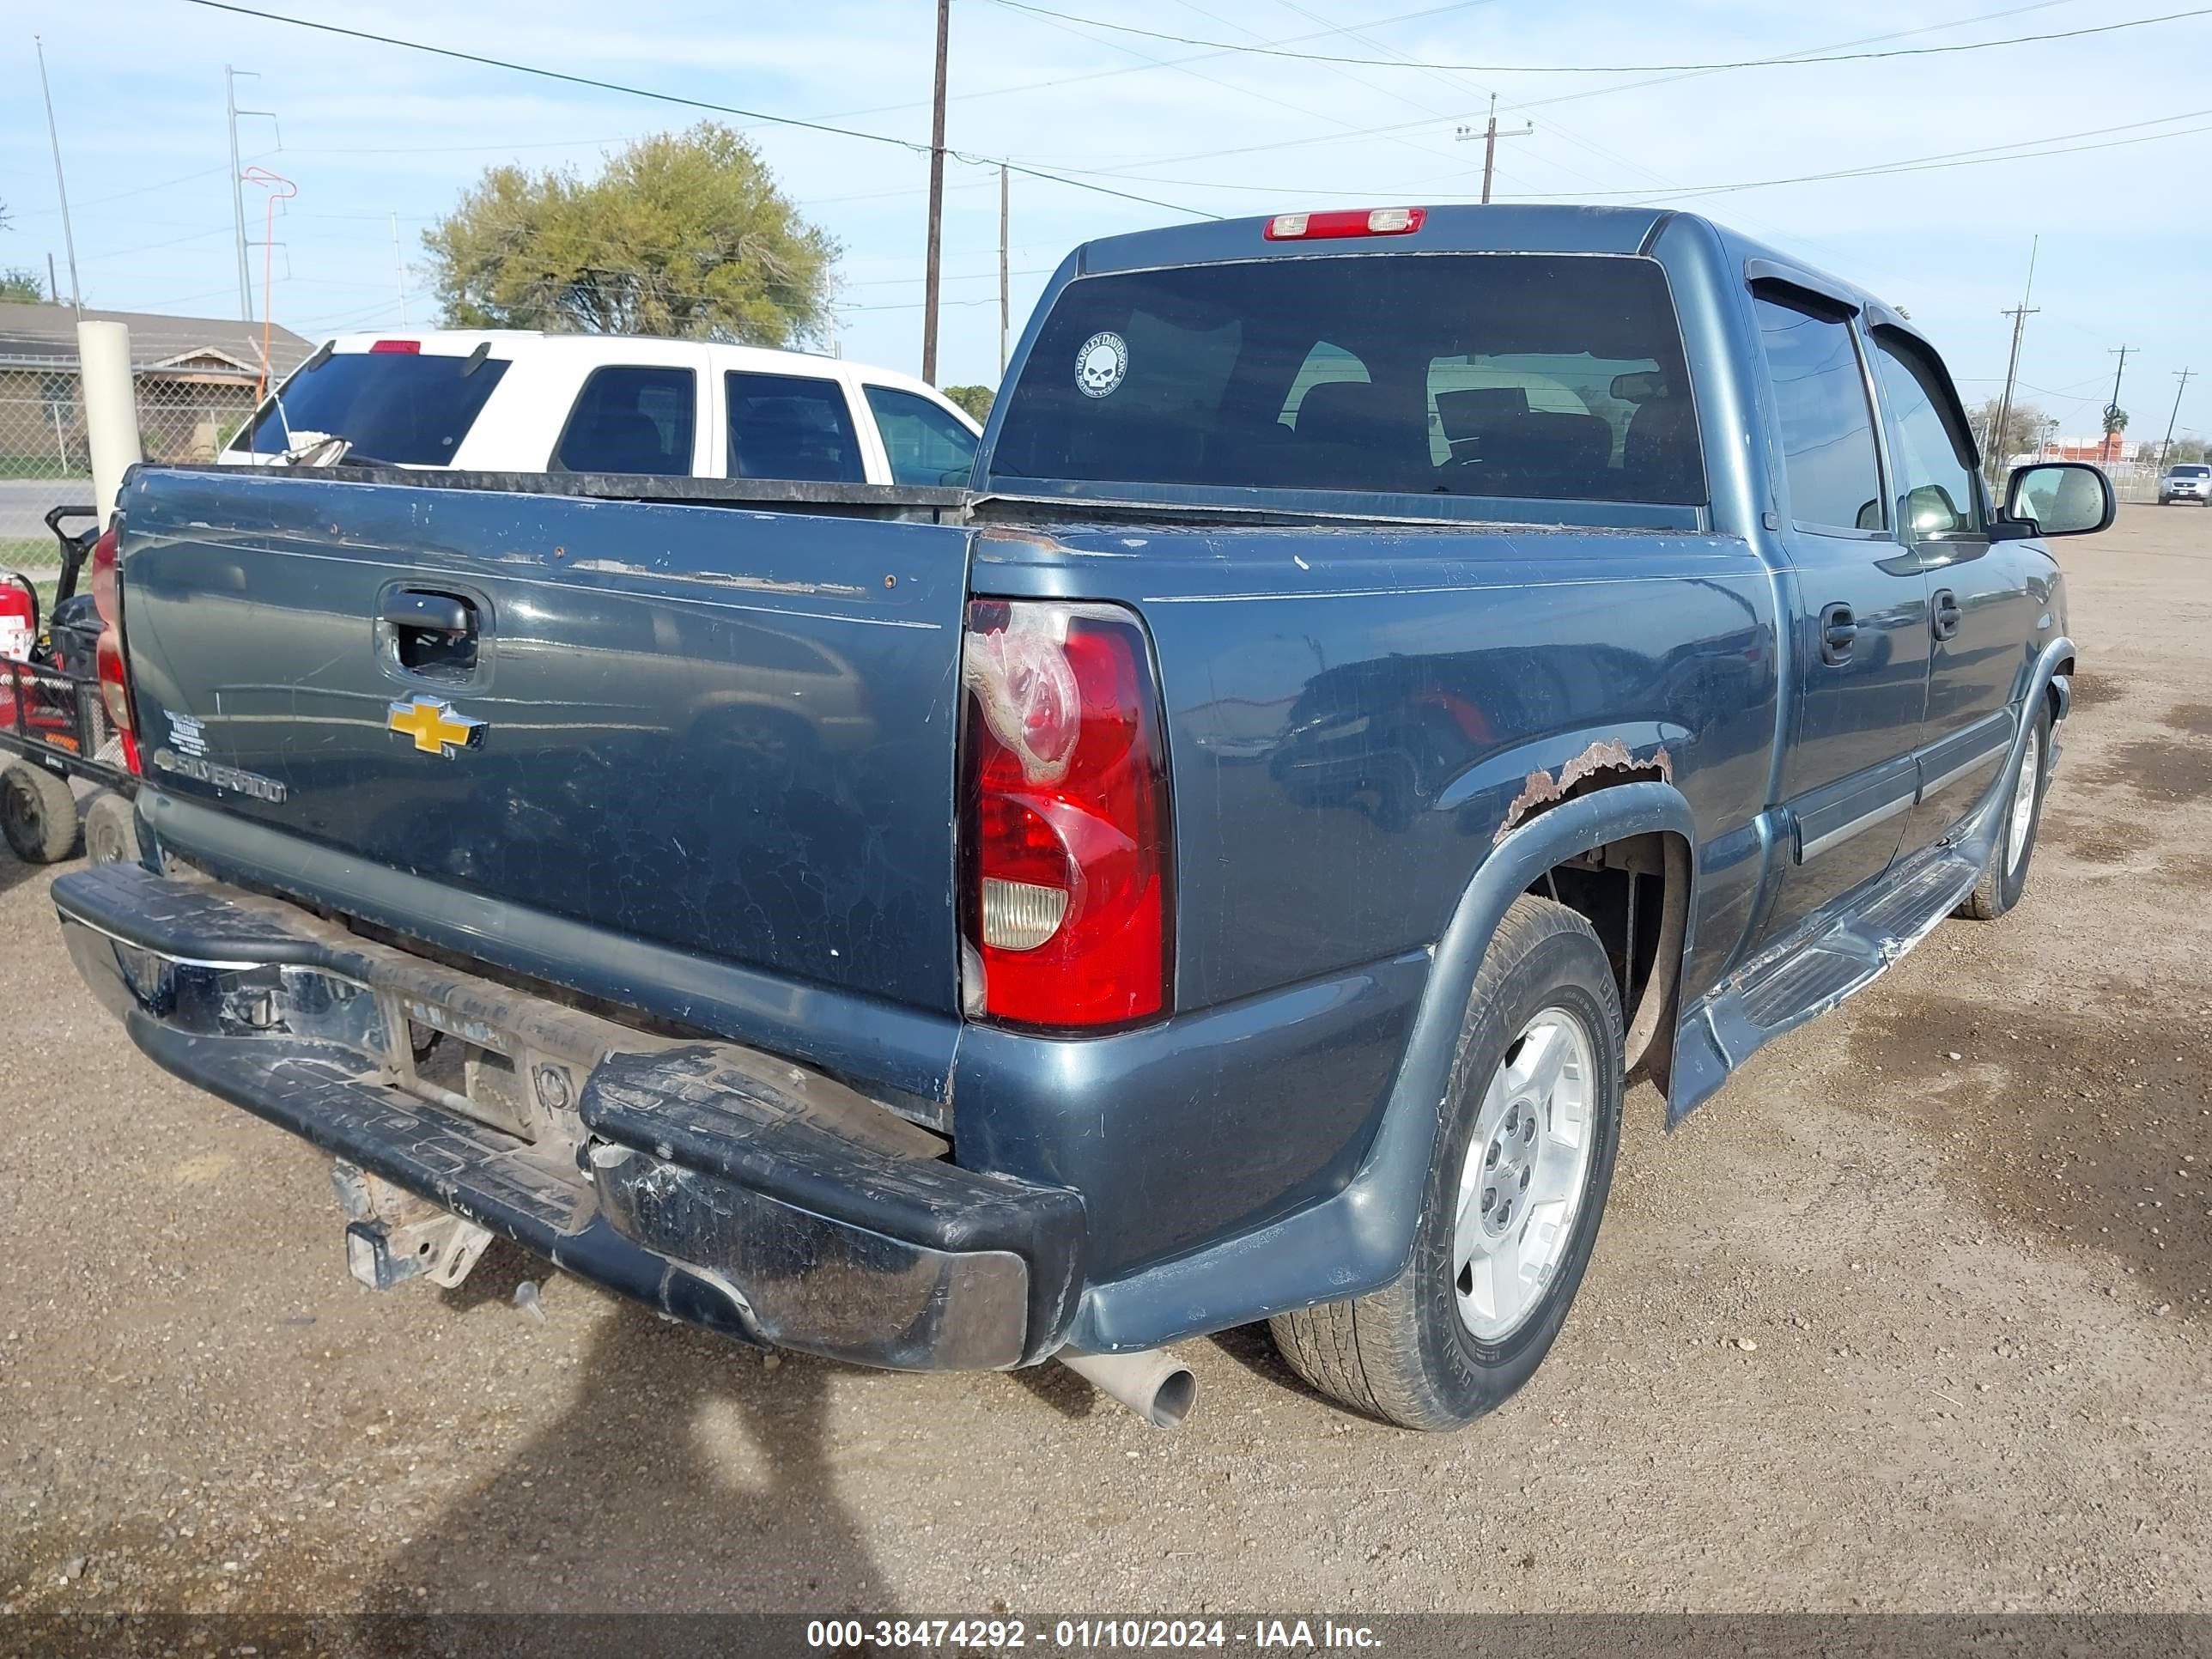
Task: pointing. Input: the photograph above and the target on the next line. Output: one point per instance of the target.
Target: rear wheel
(2004, 878)
(1514, 1194)
(111, 828)
(37, 814)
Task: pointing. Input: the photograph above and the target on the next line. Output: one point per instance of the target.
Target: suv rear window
(394, 406)
(1520, 375)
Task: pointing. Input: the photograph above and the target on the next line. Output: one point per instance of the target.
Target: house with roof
(197, 379)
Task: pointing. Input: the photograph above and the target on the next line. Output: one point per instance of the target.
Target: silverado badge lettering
(436, 729)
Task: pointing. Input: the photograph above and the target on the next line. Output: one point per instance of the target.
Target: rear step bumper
(718, 1184)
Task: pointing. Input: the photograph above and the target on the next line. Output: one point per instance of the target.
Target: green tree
(680, 233)
(976, 400)
(21, 285)
(2116, 420)
(2025, 425)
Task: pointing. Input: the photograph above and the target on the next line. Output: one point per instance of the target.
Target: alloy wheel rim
(2023, 801)
(1521, 1184)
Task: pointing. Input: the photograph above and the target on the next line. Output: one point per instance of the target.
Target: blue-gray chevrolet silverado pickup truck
(1394, 678)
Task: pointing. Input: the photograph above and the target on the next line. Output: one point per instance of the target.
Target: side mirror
(2061, 498)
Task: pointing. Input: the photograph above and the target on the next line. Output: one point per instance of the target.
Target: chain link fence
(46, 461)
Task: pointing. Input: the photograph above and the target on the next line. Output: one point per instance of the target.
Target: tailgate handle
(438, 613)
(430, 633)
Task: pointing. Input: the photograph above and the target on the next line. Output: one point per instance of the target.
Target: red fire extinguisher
(19, 616)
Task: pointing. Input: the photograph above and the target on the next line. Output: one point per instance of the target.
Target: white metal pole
(111, 407)
(61, 184)
(399, 269)
(237, 192)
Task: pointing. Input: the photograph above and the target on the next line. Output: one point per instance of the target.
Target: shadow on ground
(683, 1476)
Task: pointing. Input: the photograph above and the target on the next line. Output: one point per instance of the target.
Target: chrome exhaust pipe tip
(1152, 1382)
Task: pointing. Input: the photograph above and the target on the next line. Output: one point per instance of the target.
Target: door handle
(1944, 615)
(1839, 628)
(437, 613)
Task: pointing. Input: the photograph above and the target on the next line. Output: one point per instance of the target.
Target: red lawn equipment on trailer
(59, 717)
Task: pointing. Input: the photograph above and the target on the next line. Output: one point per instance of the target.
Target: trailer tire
(37, 814)
(111, 828)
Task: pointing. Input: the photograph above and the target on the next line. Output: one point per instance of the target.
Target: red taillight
(114, 676)
(1346, 222)
(1068, 905)
(411, 348)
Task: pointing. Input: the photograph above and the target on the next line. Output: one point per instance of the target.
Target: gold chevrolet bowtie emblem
(436, 729)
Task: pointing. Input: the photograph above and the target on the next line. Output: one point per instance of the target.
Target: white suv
(491, 400)
(2186, 483)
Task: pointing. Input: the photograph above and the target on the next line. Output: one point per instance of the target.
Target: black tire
(37, 814)
(2004, 878)
(1403, 1353)
(111, 828)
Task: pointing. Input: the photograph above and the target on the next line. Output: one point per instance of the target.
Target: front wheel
(2004, 878)
(1510, 1209)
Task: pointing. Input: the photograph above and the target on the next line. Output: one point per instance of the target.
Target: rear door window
(632, 418)
(1828, 425)
(795, 426)
(1533, 376)
(926, 444)
(411, 409)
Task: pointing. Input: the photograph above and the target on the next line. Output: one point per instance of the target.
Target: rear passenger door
(1980, 614)
(1859, 615)
(639, 418)
(796, 428)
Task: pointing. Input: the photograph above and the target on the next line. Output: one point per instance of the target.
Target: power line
(908, 144)
(1935, 162)
(1129, 170)
(1596, 69)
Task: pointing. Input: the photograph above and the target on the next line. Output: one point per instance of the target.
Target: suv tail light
(114, 677)
(1068, 857)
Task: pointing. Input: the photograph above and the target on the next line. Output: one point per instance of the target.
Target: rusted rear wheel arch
(1636, 892)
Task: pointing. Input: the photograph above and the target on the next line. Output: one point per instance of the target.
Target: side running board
(1784, 989)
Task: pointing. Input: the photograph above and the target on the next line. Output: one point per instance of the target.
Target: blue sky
(369, 131)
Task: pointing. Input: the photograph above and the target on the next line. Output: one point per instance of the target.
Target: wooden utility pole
(2182, 375)
(2113, 409)
(1003, 311)
(1490, 136)
(930, 279)
(2020, 315)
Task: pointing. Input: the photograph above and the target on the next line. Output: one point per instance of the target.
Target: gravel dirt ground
(1916, 1314)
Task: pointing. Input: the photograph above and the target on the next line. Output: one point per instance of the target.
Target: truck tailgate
(728, 732)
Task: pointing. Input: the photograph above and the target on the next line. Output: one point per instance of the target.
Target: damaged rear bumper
(718, 1184)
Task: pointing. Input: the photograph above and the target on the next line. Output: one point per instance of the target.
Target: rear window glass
(631, 419)
(393, 406)
(793, 427)
(1517, 375)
